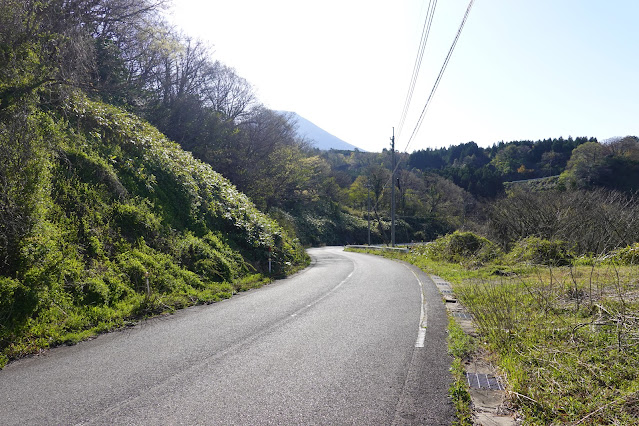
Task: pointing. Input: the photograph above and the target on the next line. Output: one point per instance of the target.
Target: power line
(430, 13)
(416, 70)
(439, 77)
(418, 62)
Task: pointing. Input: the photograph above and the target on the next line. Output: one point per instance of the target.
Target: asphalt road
(342, 342)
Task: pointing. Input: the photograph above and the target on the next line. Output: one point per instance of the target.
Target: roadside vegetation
(106, 221)
(566, 339)
(563, 327)
(551, 278)
(460, 347)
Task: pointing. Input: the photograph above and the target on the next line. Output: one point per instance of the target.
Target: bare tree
(593, 221)
(75, 42)
(229, 94)
(625, 147)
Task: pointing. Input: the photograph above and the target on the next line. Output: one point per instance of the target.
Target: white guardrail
(382, 248)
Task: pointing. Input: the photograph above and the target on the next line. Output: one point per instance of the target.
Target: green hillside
(96, 201)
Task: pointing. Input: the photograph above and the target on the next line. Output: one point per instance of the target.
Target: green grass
(567, 340)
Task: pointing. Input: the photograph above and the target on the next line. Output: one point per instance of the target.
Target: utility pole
(368, 213)
(393, 189)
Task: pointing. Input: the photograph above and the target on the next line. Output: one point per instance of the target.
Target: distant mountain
(319, 137)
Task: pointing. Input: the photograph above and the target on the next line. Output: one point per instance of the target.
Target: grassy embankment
(114, 223)
(563, 331)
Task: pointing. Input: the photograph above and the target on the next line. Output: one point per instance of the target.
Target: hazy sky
(522, 69)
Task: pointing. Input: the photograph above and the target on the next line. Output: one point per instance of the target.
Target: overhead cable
(439, 77)
(418, 62)
(432, 92)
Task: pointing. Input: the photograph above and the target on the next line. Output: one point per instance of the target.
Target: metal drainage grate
(483, 381)
(463, 315)
(447, 291)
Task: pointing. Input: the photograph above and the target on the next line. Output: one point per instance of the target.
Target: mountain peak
(318, 137)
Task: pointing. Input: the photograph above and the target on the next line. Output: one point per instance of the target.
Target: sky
(521, 69)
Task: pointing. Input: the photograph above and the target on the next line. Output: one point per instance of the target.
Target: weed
(569, 352)
(463, 247)
(460, 346)
(541, 252)
(459, 394)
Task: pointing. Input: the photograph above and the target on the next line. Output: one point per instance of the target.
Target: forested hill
(482, 171)
(95, 203)
(582, 162)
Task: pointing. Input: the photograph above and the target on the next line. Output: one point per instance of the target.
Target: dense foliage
(113, 221)
(482, 171)
(102, 219)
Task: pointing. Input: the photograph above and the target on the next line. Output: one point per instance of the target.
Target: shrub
(17, 302)
(463, 246)
(624, 256)
(104, 202)
(163, 275)
(209, 257)
(541, 252)
(135, 221)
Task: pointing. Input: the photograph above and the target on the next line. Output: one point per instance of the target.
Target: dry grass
(567, 339)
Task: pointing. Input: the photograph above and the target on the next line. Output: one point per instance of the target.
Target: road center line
(315, 302)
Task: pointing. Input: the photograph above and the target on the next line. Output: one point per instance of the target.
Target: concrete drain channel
(487, 390)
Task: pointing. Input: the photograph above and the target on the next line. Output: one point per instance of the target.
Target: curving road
(342, 342)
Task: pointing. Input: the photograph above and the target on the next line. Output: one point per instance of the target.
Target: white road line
(421, 337)
(421, 333)
(324, 295)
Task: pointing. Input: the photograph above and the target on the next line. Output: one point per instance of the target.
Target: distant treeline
(482, 171)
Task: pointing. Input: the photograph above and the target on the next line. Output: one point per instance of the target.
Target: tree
(358, 192)
(594, 221)
(509, 159)
(229, 94)
(587, 166)
(551, 162)
(410, 190)
(446, 200)
(627, 147)
(378, 179)
(426, 159)
(56, 46)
